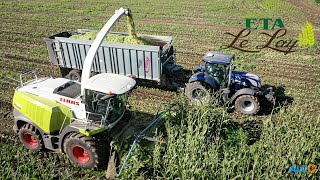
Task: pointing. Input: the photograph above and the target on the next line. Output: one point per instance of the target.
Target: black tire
(75, 75)
(247, 104)
(198, 93)
(30, 137)
(84, 151)
(93, 73)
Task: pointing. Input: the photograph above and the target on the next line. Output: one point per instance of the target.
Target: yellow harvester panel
(45, 113)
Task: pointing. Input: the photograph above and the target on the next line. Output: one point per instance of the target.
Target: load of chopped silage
(131, 38)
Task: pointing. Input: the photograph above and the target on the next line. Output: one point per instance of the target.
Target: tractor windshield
(217, 71)
(110, 109)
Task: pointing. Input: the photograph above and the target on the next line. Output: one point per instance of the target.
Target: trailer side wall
(145, 62)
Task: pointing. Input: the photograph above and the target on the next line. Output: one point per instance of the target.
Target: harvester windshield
(109, 107)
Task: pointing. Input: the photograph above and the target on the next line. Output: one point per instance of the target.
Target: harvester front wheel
(30, 138)
(83, 150)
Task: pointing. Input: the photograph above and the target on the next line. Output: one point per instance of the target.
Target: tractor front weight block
(269, 94)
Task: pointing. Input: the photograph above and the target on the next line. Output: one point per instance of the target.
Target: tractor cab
(217, 65)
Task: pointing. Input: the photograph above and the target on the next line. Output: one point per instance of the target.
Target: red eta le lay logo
(276, 40)
(69, 101)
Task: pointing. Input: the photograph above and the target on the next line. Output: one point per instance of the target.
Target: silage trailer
(152, 62)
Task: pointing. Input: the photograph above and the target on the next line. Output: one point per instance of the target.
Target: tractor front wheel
(30, 138)
(198, 93)
(247, 104)
(83, 151)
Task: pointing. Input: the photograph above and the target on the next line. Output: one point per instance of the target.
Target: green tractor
(71, 117)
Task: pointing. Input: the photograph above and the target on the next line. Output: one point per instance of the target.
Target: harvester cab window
(112, 108)
(118, 107)
(95, 104)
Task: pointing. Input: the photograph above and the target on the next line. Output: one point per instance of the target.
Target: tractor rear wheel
(30, 138)
(198, 93)
(85, 151)
(247, 104)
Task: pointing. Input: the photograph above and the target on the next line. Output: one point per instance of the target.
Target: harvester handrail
(65, 120)
(87, 120)
(74, 119)
(101, 121)
(25, 73)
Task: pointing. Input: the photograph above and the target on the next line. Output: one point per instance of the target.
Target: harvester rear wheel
(85, 151)
(30, 138)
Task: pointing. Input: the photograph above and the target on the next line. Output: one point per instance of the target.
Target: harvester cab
(67, 116)
(217, 76)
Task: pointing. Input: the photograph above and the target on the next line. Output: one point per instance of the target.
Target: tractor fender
(246, 91)
(201, 76)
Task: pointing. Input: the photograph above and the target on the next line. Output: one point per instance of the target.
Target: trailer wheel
(84, 151)
(247, 104)
(30, 138)
(75, 75)
(198, 93)
(93, 73)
